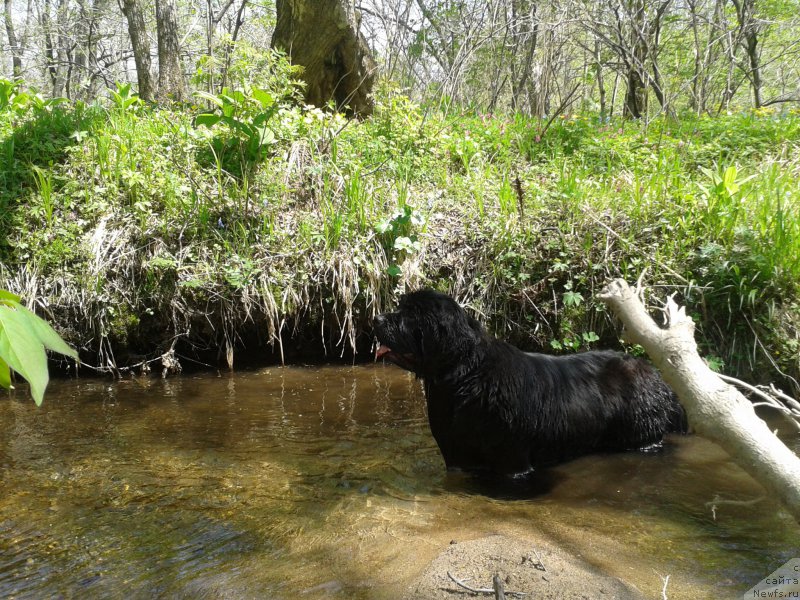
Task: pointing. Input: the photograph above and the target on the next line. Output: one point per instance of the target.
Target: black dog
(493, 407)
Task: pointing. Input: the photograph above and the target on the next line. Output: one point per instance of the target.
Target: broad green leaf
(8, 296)
(47, 335)
(240, 125)
(264, 97)
(265, 116)
(22, 351)
(210, 97)
(207, 119)
(267, 136)
(5, 375)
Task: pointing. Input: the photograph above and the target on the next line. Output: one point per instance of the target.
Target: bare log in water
(715, 409)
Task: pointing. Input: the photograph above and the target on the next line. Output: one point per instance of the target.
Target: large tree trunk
(16, 51)
(171, 84)
(323, 36)
(714, 409)
(141, 48)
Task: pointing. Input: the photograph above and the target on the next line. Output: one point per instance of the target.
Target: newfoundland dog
(495, 408)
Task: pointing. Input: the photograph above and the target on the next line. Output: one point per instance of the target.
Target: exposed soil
(539, 569)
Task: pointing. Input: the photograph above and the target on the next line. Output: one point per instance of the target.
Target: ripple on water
(326, 480)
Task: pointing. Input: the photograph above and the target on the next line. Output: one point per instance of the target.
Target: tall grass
(326, 221)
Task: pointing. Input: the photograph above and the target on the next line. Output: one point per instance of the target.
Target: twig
(717, 501)
(664, 589)
(481, 590)
(672, 272)
(539, 562)
(774, 398)
(565, 103)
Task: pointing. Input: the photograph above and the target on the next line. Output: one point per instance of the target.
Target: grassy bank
(261, 222)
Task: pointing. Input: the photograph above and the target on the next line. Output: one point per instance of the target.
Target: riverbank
(137, 231)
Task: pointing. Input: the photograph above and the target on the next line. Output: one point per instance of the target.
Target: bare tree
(171, 83)
(16, 52)
(141, 48)
(749, 28)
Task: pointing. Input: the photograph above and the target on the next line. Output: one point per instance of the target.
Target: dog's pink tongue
(381, 351)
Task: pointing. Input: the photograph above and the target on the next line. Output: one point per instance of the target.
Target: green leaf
(572, 298)
(23, 339)
(207, 119)
(4, 295)
(264, 97)
(210, 97)
(265, 116)
(5, 375)
(238, 125)
(22, 351)
(267, 137)
(46, 334)
(394, 271)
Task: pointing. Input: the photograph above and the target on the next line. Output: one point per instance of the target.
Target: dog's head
(428, 334)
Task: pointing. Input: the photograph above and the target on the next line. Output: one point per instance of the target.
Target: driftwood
(715, 409)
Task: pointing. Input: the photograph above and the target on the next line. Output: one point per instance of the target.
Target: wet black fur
(493, 407)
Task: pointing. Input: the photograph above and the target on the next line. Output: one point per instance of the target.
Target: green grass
(139, 225)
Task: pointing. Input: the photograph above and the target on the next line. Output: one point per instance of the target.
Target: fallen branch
(481, 590)
(714, 409)
(664, 589)
(772, 398)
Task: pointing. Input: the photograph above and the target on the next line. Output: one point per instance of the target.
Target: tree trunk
(520, 73)
(635, 96)
(601, 85)
(748, 29)
(323, 36)
(714, 409)
(16, 51)
(751, 45)
(141, 48)
(696, 100)
(171, 84)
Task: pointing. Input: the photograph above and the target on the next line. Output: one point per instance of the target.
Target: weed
(261, 214)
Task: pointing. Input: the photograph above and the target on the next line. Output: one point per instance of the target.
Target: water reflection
(265, 484)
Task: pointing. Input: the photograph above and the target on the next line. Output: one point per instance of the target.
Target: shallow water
(325, 482)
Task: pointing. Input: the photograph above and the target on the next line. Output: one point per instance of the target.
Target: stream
(306, 482)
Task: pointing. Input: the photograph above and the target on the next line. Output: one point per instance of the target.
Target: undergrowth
(249, 219)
